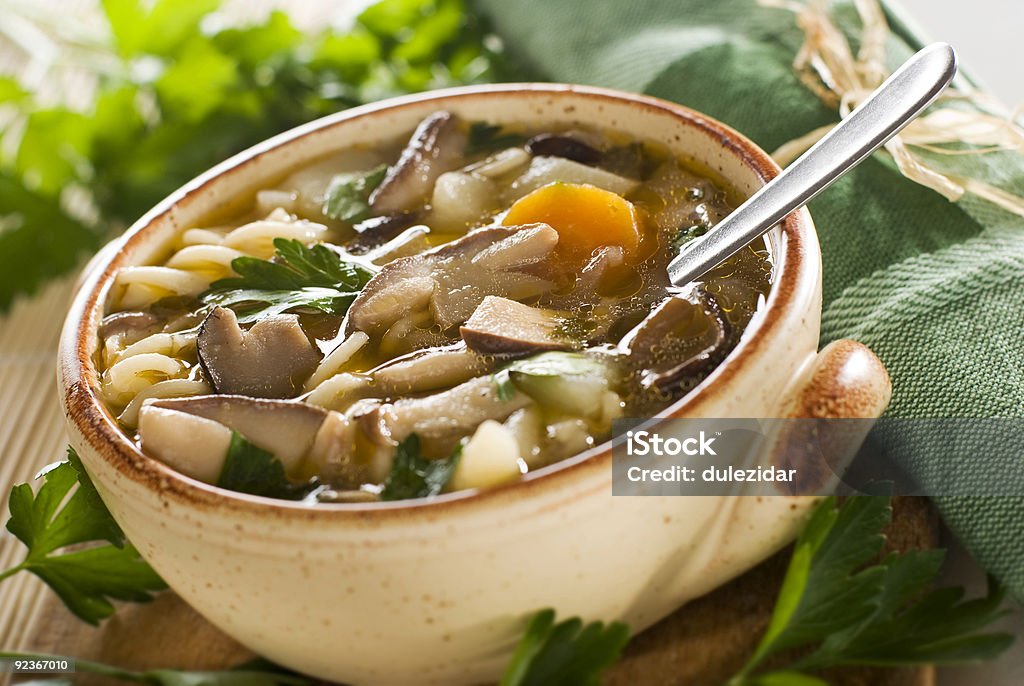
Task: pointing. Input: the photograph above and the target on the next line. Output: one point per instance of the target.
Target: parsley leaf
(688, 235)
(412, 476)
(315, 278)
(297, 267)
(178, 91)
(567, 653)
(55, 517)
(347, 196)
(485, 137)
(259, 673)
(881, 614)
(38, 241)
(251, 469)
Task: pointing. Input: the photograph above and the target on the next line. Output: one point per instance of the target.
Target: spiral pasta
(206, 257)
(163, 364)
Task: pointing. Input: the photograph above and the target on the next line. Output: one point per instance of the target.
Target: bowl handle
(844, 380)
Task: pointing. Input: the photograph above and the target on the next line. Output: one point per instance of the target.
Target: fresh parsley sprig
(567, 653)
(59, 515)
(250, 469)
(836, 608)
(848, 611)
(413, 476)
(178, 91)
(347, 197)
(298, 277)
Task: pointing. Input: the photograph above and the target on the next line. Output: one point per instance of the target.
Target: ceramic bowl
(438, 591)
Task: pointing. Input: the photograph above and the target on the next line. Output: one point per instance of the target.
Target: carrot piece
(586, 217)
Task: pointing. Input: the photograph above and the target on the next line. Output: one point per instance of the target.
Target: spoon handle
(896, 103)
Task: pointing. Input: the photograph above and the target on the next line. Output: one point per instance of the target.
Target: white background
(988, 34)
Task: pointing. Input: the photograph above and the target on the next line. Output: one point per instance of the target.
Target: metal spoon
(896, 103)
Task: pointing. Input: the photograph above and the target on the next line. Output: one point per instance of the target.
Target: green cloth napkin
(935, 289)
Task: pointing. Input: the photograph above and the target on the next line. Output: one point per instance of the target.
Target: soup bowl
(438, 590)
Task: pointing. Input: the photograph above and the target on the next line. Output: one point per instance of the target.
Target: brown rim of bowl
(85, 410)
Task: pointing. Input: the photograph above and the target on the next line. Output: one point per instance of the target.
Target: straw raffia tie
(827, 66)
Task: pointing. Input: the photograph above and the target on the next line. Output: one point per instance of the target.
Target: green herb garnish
(38, 240)
(687, 235)
(412, 476)
(251, 469)
(347, 196)
(485, 137)
(836, 608)
(177, 94)
(298, 277)
(60, 515)
(566, 653)
(847, 611)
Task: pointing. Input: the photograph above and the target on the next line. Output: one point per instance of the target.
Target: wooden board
(701, 644)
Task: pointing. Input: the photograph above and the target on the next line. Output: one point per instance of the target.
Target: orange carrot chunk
(586, 217)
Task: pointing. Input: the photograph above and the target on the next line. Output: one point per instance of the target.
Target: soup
(451, 311)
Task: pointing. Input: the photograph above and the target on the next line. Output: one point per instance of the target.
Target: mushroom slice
(420, 371)
(440, 420)
(435, 147)
(697, 333)
(285, 428)
(270, 360)
(453, 279)
(336, 458)
(564, 145)
(500, 326)
(498, 267)
(500, 163)
(131, 326)
(192, 445)
(544, 170)
(399, 288)
(409, 242)
(427, 370)
(377, 231)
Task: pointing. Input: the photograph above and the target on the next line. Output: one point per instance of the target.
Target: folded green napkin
(935, 288)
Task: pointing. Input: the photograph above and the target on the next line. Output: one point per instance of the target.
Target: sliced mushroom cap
(417, 372)
(564, 145)
(270, 360)
(500, 326)
(377, 231)
(411, 241)
(435, 147)
(192, 445)
(133, 326)
(284, 428)
(680, 342)
(440, 420)
(427, 370)
(336, 458)
(453, 279)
